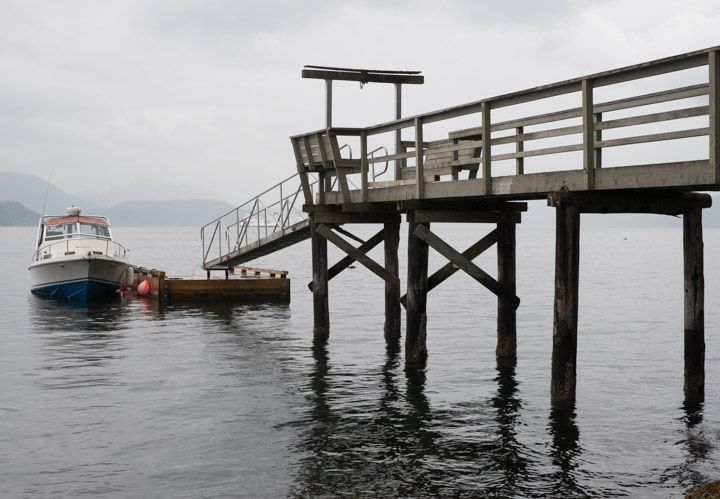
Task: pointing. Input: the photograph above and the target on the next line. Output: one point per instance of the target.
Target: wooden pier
(594, 144)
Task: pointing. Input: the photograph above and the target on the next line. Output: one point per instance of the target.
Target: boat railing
(274, 210)
(65, 248)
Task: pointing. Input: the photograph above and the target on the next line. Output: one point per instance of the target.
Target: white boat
(76, 257)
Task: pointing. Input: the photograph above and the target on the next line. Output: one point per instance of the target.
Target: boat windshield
(101, 231)
(68, 230)
(60, 231)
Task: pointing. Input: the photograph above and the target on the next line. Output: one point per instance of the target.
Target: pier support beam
(694, 305)
(565, 317)
(393, 307)
(417, 288)
(321, 310)
(506, 321)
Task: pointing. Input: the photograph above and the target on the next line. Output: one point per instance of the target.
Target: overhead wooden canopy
(363, 75)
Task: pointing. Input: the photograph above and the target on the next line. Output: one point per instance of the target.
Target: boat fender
(143, 288)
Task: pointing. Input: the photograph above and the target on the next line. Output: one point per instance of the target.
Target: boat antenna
(47, 189)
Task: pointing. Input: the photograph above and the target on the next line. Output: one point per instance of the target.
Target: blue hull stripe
(78, 290)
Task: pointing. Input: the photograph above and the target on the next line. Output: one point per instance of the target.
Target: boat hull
(79, 278)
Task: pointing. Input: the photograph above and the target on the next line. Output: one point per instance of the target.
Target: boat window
(60, 231)
(94, 230)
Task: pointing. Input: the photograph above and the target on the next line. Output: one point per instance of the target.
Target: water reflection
(565, 450)
(396, 444)
(697, 444)
(78, 339)
(511, 458)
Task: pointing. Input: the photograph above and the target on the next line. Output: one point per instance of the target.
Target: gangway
(271, 221)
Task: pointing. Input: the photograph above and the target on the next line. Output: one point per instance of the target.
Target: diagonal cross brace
(358, 255)
(449, 269)
(464, 264)
(348, 260)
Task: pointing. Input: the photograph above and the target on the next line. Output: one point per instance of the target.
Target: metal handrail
(371, 154)
(119, 251)
(274, 210)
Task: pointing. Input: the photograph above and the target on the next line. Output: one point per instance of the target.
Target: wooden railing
(585, 114)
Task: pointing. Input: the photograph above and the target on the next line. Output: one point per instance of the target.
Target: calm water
(128, 400)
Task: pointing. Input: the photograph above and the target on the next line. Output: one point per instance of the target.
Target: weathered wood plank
(714, 111)
(467, 216)
(661, 202)
(364, 166)
(538, 152)
(654, 118)
(656, 137)
(354, 252)
(307, 193)
(486, 148)
(464, 264)
(545, 134)
(588, 133)
(419, 172)
(687, 175)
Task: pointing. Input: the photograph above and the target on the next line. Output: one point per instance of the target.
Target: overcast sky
(207, 92)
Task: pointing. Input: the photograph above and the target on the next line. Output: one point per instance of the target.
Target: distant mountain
(30, 191)
(184, 213)
(14, 214)
(138, 190)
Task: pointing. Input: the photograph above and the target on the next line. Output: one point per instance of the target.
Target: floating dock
(239, 284)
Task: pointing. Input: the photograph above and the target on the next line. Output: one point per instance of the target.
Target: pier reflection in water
(398, 444)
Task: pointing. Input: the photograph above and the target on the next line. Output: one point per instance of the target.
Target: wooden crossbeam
(464, 264)
(635, 201)
(447, 270)
(494, 217)
(348, 260)
(347, 233)
(355, 253)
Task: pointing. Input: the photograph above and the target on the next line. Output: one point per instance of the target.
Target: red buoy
(143, 288)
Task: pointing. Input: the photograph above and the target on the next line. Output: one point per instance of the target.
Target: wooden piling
(417, 287)
(391, 233)
(506, 320)
(567, 262)
(321, 310)
(694, 304)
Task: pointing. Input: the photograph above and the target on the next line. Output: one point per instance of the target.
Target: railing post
(363, 166)
(597, 118)
(419, 170)
(398, 132)
(307, 193)
(486, 154)
(714, 92)
(588, 133)
(519, 147)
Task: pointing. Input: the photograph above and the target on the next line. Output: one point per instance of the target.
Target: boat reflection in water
(79, 341)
